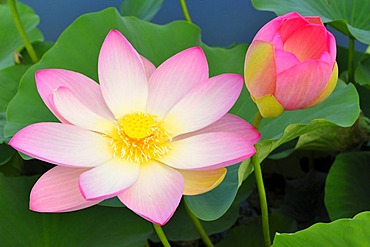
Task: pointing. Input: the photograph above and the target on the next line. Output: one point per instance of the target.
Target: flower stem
(351, 54)
(199, 227)
(185, 11)
(161, 235)
(261, 189)
(257, 120)
(21, 31)
(263, 200)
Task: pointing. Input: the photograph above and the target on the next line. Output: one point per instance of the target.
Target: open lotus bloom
(146, 135)
(290, 64)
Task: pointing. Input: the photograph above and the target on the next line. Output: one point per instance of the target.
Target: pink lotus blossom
(146, 135)
(291, 64)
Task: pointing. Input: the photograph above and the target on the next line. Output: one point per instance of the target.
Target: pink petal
(228, 123)
(62, 144)
(332, 47)
(290, 26)
(57, 191)
(208, 151)
(148, 66)
(156, 194)
(290, 15)
(328, 89)
(173, 79)
(301, 84)
(284, 60)
(260, 69)
(270, 32)
(72, 109)
(47, 80)
(205, 104)
(314, 20)
(122, 75)
(108, 179)
(308, 42)
(326, 57)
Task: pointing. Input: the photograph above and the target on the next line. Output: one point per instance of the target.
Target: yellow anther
(138, 125)
(140, 137)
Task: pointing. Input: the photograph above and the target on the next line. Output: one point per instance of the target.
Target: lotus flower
(290, 64)
(146, 135)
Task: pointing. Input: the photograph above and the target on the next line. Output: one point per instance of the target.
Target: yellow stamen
(140, 137)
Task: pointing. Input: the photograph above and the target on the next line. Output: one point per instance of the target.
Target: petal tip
(39, 76)
(34, 205)
(114, 36)
(196, 50)
(14, 142)
(113, 32)
(238, 78)
(11, 142)
(159, 221)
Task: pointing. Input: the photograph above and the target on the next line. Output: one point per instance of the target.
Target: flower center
(139, 137)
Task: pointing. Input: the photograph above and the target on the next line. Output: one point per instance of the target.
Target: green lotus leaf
(340, 233)
(143, 9)
(347, 189)
(10, 41)
(95, 226)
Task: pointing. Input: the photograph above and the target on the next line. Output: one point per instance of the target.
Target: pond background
(222, 22)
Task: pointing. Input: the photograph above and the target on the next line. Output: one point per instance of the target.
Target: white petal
(205, 104)
(73, 110)
(174, 78)
(208, 151)
(57, 191)
(156, 194)
(63, 144)
(88, 91)
(108, 179)
(122, 75)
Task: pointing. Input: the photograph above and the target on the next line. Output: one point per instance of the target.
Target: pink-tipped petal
(326, 57)
(201, 181)
(148, 66)
(301, 84)
(122, 75)
(306, 42)
(62, 144)
(290, 26)
(72, 109)
(260, 69)
(47, 80)
(268, 32)
(284, 60)
(314, 20)
(156, 194)
(108, 179)
(228, 123)
(328, 89)
(208, 151)
(205, 104)
(57, 191)
(332, 47)
(174, 78)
